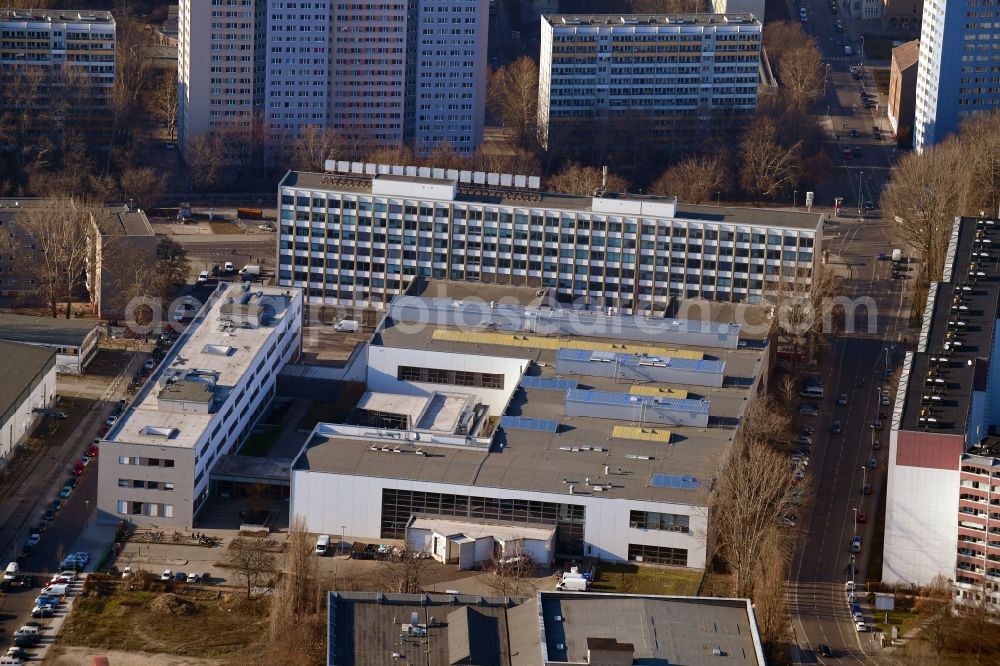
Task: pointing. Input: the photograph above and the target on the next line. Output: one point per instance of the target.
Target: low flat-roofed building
(551, 629)
(902, 97)
(625, 629)
(27, 389)
(200, 404)
(479, 423)
(73, 340)
(376, 628)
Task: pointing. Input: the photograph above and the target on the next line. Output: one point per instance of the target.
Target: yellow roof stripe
(643, 434)
(541, 342)
(642, 389)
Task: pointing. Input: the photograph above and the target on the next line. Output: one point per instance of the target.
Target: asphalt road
(207, 250)
(854, 365)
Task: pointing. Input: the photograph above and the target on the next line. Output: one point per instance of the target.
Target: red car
(92, 451)
(78, 468)
(862, 517)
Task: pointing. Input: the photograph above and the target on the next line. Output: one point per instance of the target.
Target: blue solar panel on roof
(615, 398)
(548, 383)
(570, 354)
(525, 423)
(674, 481)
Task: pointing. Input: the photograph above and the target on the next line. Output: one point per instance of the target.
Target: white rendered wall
(383, 364)
(21, 422)
(921, 533)
(327, 501)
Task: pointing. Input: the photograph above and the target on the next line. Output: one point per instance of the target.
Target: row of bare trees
(960, 176)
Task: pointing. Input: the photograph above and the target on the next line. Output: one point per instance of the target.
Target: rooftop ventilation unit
(159, 431)
(218, 350)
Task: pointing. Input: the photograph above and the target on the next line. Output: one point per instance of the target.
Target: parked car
(48, 515)
(149, 364)
(267, 226)
(127, 572)
(228, 267)
(854, 132)
(167, 575)
(78, 468)
(825, 651)
(804, 440)
(66, 491)
(180, 576)
(835, 427)
(862, 517)
(872, 463)
(856, 544)
(191, 577)
(203, 277)
(92, 451)
(877, 445)
(34, 538)
(807, 409)
(72, 481)
(856, 152)
(861, 627)
(110, 421)
(842, 399)
(206, 577)
(866, 489)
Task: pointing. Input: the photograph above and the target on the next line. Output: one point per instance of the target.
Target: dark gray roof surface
(45, 330)
(21, 368)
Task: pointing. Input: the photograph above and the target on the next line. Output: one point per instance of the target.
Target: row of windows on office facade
(398, 506)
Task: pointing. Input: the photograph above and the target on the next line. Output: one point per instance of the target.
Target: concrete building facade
(28, 388)
(679, 77)
(959, 67)
(358, 240)
(199, 405)
(903, 89)
(941, 517)
(220, 78)
(122, 241)
(62, 63)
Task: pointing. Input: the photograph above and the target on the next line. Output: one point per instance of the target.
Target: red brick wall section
(929, 449)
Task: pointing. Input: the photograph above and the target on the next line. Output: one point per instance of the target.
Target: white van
(347, 326)
(323, 544)
(571, 583)
(13, 569)
(814, 392)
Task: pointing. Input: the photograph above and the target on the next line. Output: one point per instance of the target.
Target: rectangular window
(407, 373)
(168, 510)
(651, 520)
(638, 552)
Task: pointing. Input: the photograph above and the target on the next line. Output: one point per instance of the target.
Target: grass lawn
(905, 620)
(635, 579)
(224, 227)
(198, 624)
(260, 440)
(878, 47)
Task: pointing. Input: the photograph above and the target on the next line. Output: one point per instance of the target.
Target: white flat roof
(476, 530)
(192, 351)
(443, 412)
(395, 403)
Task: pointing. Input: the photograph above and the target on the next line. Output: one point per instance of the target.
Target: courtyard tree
(584, 180)
(251, 560)
(694, 179)
(512, 97)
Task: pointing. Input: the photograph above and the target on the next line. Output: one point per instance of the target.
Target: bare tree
(143, 184)
(780, 36)
(444, 156)
(803, 308)
(313, 146)
(491, 157)
(768, 166)
(251, 560)
(403, 571)
(511, 575)
(172, 263)
(57, 235)
(666, 6)
(297, 617)
(163, 101)
(752, 495)
(769, 596)
(133, 67)
(693, 179)
(204, 157)
(922, 200)
(767, 421)
(980, 137)
(584, 180)
(935, 606)
(512, 97)
(801, 72)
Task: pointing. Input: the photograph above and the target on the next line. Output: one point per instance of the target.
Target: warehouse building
(73, 340)
(356, 237)
(27, 391)
(476, 432)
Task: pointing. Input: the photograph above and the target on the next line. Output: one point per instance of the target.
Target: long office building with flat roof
(680, 77)
(358, 236)
(198, 405)
(486, 427)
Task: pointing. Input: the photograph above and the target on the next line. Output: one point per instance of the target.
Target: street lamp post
(860, 176)
(864, 482)
(855, 521)
(343, 538)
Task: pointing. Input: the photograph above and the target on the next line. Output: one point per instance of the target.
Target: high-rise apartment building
(358, 240)
(677, 76)
(958, 72)
(60, 64)
(399, 71)
(220, 77)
